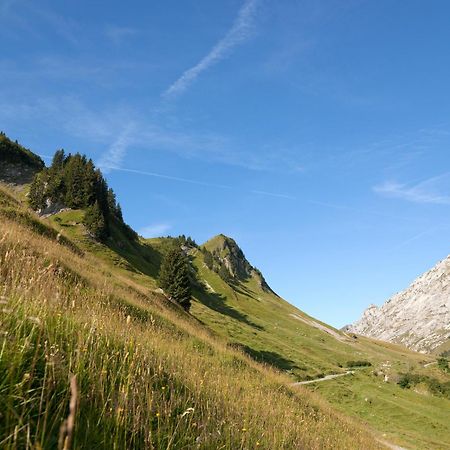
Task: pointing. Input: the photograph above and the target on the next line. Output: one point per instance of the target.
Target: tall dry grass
(147, 376)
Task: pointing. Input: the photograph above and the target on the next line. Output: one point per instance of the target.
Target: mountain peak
(228, 254)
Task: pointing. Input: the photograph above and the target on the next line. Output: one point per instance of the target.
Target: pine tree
(89, 183)
(95, 222)
(74, 180)
(55, 188)
(37, 196)
(174, 277)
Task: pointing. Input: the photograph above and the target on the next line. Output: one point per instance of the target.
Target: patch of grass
(406, 417)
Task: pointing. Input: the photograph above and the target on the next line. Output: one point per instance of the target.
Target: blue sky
(316, 133)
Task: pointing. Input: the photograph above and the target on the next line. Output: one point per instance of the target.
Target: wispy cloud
(154, 230)
(238, 33)
(118, 34)
(433, 190)
(104, 128)
(273, 194)
(415, 238)
(113, 157)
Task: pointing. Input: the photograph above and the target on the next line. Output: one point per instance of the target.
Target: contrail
(198, 182)
(237, 34)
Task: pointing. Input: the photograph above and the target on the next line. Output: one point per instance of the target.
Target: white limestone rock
(418, 317)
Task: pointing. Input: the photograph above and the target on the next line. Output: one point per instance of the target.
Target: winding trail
(332, 377)
(430, 364)
(325, 378)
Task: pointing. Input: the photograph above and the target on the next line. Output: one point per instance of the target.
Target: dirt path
(389, 445)
(349, 372)
(325, 378)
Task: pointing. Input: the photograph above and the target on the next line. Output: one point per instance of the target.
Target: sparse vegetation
(408, 380)
(442, 363)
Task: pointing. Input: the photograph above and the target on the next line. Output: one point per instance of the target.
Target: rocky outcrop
(16, 173)
(418, 317)
(226, 252)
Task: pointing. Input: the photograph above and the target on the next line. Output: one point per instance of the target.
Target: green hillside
(268, 329)
(149, 375)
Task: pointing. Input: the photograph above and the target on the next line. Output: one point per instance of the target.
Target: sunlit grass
(147, 375)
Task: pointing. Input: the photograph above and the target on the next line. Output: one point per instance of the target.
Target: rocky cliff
(227, 253)
(418, 317)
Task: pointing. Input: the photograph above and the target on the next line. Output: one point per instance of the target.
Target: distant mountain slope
(18, 165)
(418, 317)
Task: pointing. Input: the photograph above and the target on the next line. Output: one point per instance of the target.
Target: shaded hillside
(18, 165)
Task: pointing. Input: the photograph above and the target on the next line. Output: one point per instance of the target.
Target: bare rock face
(18, 165)
(418, 317)
(16, 173)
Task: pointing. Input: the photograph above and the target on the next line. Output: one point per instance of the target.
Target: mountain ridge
(227, 252)
(417, 317)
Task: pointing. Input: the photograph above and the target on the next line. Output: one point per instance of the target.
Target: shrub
(358, 364)
(442, 363)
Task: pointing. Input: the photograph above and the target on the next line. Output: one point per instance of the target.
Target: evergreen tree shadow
(243, 290)
(217, 302)
(267, 357)
(139, 256)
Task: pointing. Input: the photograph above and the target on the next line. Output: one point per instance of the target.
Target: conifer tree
(74, 176)
(37, 194)
(74, 181)
(55, 188)
(95, 222)
(174, 277)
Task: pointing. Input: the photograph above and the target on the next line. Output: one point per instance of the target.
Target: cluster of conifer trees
(74, 181)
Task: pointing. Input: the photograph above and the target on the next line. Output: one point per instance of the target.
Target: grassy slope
(410, 418)
(262, 325)
(148, 375)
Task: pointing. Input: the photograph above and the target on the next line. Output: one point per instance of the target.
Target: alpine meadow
(222, 224)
